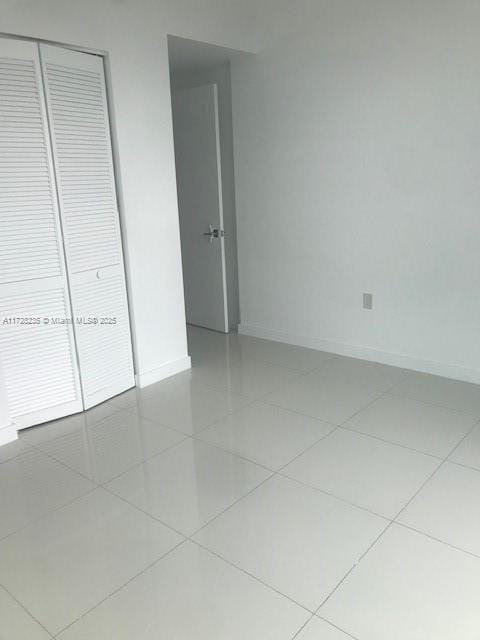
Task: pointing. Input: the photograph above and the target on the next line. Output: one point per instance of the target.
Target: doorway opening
(203, 137)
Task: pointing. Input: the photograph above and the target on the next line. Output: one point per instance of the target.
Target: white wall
(220, 75)
(134, 35)
(357, 156)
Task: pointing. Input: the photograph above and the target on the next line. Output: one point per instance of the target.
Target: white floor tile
(12, 450)
(425, 427)
(410, 587)
(130, 398)
(318, 629)
(189, 484)
(135, 395)
(469, 450)
(452, 394)
(362, 372)
(50, 430)
(296, 539)
(373, 474)
(191, 595)
(187, 405)
(285, 355)
(447, 507)
(112, 446)
(244, 377)
(33, 484)
(64, 564)
(71, 552)
(266, 434)
(323, 398)
(15, 622)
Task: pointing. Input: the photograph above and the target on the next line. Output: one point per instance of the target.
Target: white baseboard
(8, 434)
(165, 371)
(365, 353)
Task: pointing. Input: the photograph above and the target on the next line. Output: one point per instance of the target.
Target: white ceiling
(188, 55)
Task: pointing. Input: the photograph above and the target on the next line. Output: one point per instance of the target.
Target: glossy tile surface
(188, 485)
(106, 449)
(370, 473)
(284, 466)
(278, 353)
(448, 508)
(33, 484)
(453, 394)
(245, 377)
(366, 374)
(57, 428)
(15, 622)
(266, 434)
(191, 595)
(409, 586)
(12, 450)
(65, 563)
(187, 405)
(318, 629)
(298, 540)
(468, 452)
(410, 423)
(324, 398)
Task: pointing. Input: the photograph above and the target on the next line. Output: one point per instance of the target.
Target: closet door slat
(38, 355)
(78, 116)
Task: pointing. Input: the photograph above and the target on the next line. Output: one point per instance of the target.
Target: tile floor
(271, 493)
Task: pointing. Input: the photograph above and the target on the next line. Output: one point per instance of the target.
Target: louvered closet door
(38, 353)
(77, 108)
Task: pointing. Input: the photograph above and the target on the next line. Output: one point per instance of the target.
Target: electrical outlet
(368, 300)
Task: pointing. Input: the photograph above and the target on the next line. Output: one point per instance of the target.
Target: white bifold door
(64, 327)
(82, 155)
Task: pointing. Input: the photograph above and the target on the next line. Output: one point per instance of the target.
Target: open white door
(199, 184)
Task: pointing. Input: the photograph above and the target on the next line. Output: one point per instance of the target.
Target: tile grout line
(428, 535)
(349, 635)
(154, 562)
(334, 496)
(297, 633)
(44, 515)
(248, 403)
(391, 392)
(30, 614)
(251, 575)
(91, 489)
(395, 520)
(261, 464)
(136, 465)
(230, 506)
(395, 444)
(465, 466)
(146, 513)
(445, 460)
(190, 539)
(335, 588)
(336, 427)
(194, 437)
